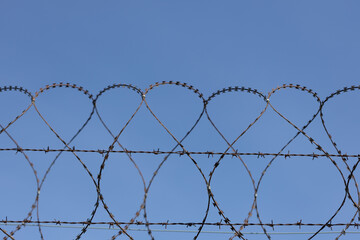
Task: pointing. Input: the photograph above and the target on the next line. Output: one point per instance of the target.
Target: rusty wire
(180, 149)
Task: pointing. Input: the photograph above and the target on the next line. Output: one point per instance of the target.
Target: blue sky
(207, 44)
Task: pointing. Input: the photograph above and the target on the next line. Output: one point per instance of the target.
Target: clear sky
(210, 45)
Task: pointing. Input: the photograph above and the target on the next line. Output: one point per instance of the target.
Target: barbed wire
(347, 175)
(181, 153)
(188, 224)
(187, 230)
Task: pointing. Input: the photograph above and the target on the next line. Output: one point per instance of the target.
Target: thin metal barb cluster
(124, 225)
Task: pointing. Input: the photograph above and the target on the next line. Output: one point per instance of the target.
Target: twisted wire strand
(181, 153)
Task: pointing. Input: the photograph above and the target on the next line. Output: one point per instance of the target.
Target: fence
(344, 216)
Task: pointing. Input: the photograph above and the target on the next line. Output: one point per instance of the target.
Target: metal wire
(189, 231)
(181, 153)
(123, 227)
